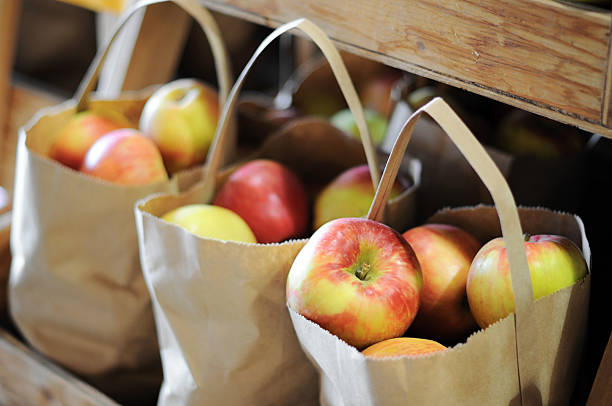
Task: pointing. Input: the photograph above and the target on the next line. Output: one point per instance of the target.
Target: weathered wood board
(543, 56)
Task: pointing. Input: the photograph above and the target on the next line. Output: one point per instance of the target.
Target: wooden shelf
(543, 56)
(27, 378)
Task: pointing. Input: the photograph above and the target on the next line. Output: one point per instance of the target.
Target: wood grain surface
(26, 378)
(539, 55)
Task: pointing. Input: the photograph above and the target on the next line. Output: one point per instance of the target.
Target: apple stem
(526, 236)
(362, 271)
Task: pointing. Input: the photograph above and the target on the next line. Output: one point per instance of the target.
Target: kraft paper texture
(76, 288)
(481, 371)
(224, 332)
(529, 358)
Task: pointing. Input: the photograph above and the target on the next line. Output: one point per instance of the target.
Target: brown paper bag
(76, 288)
(533, 180)
(530, 357)
(224, 332)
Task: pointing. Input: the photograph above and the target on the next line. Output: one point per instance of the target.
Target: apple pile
(262, 201)
(175, 130)
(274, 204)
(401, 294)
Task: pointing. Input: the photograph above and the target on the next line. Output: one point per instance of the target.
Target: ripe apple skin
(125, 157)
(394, 347)
(554, 263)
(181, 117)
(377, 124)
(79, 134)
(350, 194)
(376, 93)
(523, 133)
(269, 197)
(445, 254)
(210, 221)
(358, 279)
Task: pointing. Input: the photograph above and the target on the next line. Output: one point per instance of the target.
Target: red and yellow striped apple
(181, 118)
(445, 254)
(555, 262)
(395, 347)
(357, 278)
(350, 194)
(125, 157)
(269, 197)
(83, 129)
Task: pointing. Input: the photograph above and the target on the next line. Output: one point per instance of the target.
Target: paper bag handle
(204, 19)
(215, 154)
(493, 179)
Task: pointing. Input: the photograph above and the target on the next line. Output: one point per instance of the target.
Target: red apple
(555, 262)
(395, 347)
(445, 254)
(125, 157)
(375, 93)
(269, 197)
(358, 279)
(83, 129)
(350, 194)
(181, 118)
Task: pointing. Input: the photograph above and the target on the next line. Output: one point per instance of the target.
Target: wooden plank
(27, 378)
(9, 19)
(607, 102)
(24, 102)
(160, 45)
(601, 392)
(539, 55)
(152, 57)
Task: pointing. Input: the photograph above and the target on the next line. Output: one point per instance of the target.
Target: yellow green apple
(555, 262)
(205, 220)
(181, 117)
(80, 132)
(358, 279)
(395, 347)
(524, 133)
(445, 253)
(377, 124)
(350, 194)
(125, 157)
(421, 96)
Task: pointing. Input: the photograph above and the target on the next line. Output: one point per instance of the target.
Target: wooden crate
(543, 56)
(27, 378)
